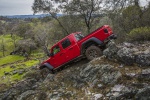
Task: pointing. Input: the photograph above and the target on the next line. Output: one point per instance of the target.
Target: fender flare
(93, 39)
(49, 66)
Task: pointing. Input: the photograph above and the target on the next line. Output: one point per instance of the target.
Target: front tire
(93, 52)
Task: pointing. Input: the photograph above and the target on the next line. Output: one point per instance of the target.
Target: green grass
(5, 69)
(37, 55)
(14, 60)
(12, 78)
(31, 63)
(16, 77)
(10, 59)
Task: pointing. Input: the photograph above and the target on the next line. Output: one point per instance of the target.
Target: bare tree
(42, 39)
(86, 9)
(2, 28)
(42, 36)
(14, 39)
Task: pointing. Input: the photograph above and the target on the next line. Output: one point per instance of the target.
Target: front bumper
(49, 66)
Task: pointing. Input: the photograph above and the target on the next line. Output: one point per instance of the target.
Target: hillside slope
(122, 73)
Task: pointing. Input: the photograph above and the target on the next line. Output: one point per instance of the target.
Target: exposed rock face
(26, 94)
(50, 77)
(143, 94)
(97, 96)
(14, 92)
(89, 75)
(129, 53)
(143, 59)
(125, 55)
(111, 51)
(145, 75)
(100, 79)
(120, 92)
(105, 73)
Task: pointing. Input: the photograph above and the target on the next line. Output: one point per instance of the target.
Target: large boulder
(128, 53)
(122, 53)
(126, 56)
(111, 51)
(143, 60)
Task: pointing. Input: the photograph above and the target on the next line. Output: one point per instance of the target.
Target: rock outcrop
(94, 74)
(123, 73)
(129, 54)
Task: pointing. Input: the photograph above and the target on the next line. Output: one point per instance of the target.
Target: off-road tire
(93, 52)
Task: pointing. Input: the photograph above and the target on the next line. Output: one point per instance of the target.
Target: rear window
(78, 37)
(66, 43)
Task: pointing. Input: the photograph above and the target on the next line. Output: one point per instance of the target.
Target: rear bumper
(113, 36)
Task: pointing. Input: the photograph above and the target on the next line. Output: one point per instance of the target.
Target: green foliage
(30, 63)
(10, 59)
(140, 34)
(131, 18)
(146, 16)
(23, 29)
(27, 44)
(8, 43)
(37, 54)
(71, 24)
(4, 69)
(16, 77)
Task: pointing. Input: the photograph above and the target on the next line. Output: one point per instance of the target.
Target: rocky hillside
(122, 73)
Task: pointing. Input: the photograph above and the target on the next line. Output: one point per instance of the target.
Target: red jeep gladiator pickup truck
(75, 46)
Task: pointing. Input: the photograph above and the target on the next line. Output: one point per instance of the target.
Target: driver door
(58, 58)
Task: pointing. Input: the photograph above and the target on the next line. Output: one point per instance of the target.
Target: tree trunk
(136, 2)
(3, 47)
(59, 23)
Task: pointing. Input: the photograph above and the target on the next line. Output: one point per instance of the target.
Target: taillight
(105, 30)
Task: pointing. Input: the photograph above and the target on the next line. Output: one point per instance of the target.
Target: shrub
(26, 45)
(139, 34)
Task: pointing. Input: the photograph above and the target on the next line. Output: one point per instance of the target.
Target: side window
(66, 43)
(56, 49)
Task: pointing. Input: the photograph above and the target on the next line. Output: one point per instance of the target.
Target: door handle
(61, 54)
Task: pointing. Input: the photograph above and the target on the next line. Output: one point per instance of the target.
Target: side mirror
(50, 54)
